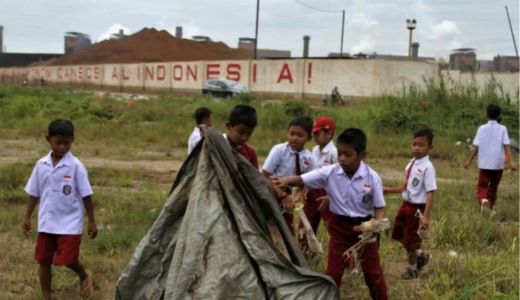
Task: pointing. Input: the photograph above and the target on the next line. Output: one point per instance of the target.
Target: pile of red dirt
(150, 45)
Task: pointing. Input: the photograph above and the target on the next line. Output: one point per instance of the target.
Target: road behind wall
(298, 78)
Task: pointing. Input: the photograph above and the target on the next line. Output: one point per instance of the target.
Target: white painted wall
(156, 76)
(509, 81)
(187, 75)
(296, 77)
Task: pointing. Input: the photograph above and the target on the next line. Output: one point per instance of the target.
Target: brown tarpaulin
(220, 235)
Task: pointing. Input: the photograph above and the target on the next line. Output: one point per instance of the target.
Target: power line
(342, 11)
(317, 8)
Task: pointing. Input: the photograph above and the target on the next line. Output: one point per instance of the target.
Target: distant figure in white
(203, 119)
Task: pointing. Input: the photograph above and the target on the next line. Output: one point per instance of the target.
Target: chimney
(121, 32)
(306, 40)
(178, 32)
(1, 38)
(415, 51)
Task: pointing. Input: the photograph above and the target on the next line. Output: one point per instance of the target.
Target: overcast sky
(371, 25)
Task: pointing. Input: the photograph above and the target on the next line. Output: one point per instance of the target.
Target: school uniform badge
(67, 189)
(415, 182)
(367, 198)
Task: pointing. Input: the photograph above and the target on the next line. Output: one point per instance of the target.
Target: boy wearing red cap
(324, 153)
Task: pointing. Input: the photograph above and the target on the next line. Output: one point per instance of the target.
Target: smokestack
(178, 32)
(415, 51)
(306, 40)
(1, 38)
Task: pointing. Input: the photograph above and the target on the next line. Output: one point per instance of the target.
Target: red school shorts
(57, 249)
(406, 225)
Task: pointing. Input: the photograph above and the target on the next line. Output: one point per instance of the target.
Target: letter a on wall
(285, 74)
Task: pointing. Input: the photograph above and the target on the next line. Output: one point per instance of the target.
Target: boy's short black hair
(201, 114)
(243, 114)
(425, 132)
(304, 122)
(61, 127)
(493, 111)
(354, 137)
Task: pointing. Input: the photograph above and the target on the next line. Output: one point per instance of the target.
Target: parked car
(223, 88)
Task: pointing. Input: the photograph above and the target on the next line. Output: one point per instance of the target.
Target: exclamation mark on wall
(309, 72)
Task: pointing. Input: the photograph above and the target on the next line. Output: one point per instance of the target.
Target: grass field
(133, 153)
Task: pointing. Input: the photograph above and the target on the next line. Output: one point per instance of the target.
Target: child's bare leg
(79, 270)
(85, 280)
(45, 274)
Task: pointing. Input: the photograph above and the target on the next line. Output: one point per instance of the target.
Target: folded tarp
(220, 235)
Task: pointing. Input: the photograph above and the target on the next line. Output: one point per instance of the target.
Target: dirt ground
(28, 150)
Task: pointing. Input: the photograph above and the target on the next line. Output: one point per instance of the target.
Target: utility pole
(512, 33)
(410, 24)
(256, 27)
(342, 32)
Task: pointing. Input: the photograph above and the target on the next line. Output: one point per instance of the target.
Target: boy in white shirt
(490, 143)
(290, 158)
(417, 191)
(59, 182)
(355, 193)
(203, 119)
(324, 153)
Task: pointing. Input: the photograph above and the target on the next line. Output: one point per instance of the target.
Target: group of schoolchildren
(342, 190)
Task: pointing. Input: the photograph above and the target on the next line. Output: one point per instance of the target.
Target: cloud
(444, 36)
(437, 37)
(363, 46)
(363, 27)
(114, 28)
(189, 29)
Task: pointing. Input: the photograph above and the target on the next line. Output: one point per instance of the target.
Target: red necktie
(405, 185)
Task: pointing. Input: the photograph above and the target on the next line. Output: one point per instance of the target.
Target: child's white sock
(418, 252)
(412, 267)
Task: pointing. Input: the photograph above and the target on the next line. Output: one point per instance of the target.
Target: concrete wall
(293, 77)
(509, 81)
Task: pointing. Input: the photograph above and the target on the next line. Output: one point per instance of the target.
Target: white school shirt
(326, 156)
(356, 197)
(193, 139)
(281, 161)
(61, 190)
(490, 140)
(421, 180)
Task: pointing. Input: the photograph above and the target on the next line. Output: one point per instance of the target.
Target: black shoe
(422, 260)
(410, 274)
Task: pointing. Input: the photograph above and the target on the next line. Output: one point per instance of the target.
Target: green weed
(127, 200)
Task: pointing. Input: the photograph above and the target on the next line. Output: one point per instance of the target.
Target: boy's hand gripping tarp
(220, 235)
